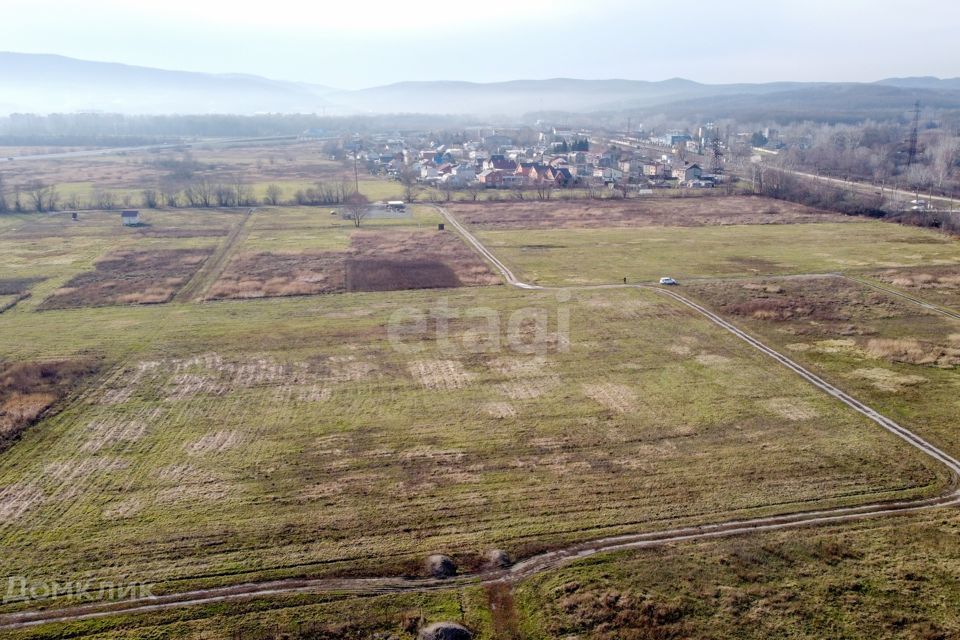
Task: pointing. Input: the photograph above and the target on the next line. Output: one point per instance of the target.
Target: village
(553, 157)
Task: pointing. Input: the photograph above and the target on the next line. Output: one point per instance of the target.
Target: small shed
(130, 218)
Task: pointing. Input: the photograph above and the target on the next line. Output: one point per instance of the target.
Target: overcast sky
(358, 43)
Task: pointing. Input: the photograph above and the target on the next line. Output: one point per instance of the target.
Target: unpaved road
(552, 559)
(213, 267)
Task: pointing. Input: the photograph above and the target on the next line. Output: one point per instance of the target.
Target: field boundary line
(206, 275)
(946, 311)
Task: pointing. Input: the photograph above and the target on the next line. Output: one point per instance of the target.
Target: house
(687, 172)
(130, 218)
(491, 178)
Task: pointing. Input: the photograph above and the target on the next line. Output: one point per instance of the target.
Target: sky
(363, 43)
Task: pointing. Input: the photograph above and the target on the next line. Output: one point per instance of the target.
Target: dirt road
(557, 558)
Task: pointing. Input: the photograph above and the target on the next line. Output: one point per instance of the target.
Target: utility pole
(356, 174)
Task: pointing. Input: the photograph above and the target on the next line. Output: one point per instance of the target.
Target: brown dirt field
(410, 247)
(267, 275)
(373, 274)
(382, 260)
(648, 212)
(13, 286)
(130, 277)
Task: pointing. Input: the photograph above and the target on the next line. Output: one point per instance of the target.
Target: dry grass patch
(130, 277)
(794, 409)
(644, 212)
(441, 374)
(28, 389)
(112, 431)
(614, 397)
(216, 442)
(887, 380)
(913, 352)
(499, 410)
(123, 509)
(263, 275)
(712, 360)
(939, 284)
(381, 260)
(17, 499)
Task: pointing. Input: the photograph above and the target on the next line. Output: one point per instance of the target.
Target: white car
(667, 281)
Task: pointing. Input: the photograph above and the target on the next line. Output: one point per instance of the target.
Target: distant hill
(40, 83)
(926, 82)
(56, 84)
(842, 102)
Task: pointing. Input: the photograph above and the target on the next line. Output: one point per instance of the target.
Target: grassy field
(594, 256)
(898, 357)
(292, 438)
(52, 249)
(197, 444)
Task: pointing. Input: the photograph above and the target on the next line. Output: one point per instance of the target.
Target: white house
(130, 218)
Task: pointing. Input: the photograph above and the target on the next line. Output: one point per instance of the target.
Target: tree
(944, 158)
(151, 199)
(473, 190)
(4, 207)
(104, 199)
(408, 178)
(274, 195)
(357, 207)
(758, 139)
(43, 197)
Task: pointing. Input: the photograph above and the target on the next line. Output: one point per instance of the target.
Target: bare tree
(38, 194)
(544, 189)
(104, 199)
(242, 194)
(446, 188)
(357, 207)
(408, 178)
(199, 194)
(4, 207)
(274, 195)
(17, 199)
(473, 190)
(944, 158)
(151, 199)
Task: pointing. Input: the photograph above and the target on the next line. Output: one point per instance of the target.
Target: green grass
(892, 578)
(843, 330)
(297, 229)
(593, 256)
(341, 458)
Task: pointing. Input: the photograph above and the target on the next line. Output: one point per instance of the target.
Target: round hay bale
(498, 559)
(444, 631)
(440, 566)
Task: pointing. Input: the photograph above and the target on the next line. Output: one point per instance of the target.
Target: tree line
(37, 196)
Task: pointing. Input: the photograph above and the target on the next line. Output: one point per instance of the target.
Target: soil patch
(130, 277)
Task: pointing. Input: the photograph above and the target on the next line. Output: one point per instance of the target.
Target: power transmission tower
(912, 143)
(716, 166)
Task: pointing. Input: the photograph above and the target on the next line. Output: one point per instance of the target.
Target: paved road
(552, 559)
